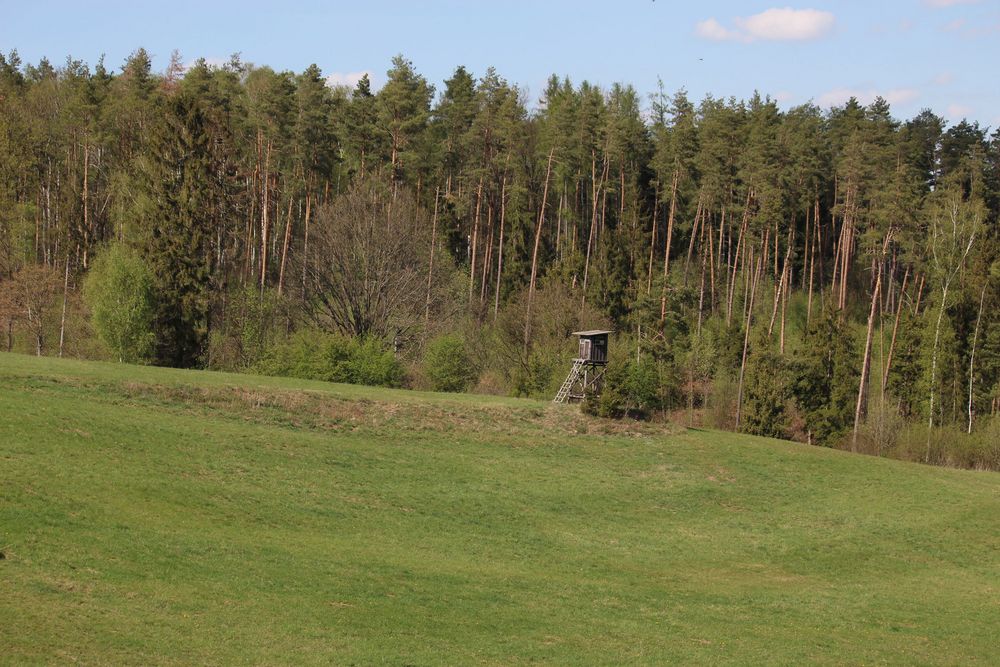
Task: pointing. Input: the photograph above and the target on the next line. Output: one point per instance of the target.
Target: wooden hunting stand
(586, 376)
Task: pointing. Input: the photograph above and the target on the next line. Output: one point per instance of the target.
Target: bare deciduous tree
(31, 294)
(369, 263)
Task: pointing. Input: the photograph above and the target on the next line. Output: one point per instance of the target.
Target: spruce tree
(178, 180)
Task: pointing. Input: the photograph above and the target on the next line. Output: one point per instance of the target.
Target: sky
(937, 54)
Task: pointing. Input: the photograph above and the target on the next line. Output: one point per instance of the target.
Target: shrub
(318, 355)
(630, 390)
(447, 364)
(252, 322)
(119, 292)
(539, 376)
(370, 362)
(720, 410)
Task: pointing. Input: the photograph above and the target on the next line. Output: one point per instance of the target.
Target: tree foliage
(119, 291)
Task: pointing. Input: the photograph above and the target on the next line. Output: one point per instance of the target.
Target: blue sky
(941, 54)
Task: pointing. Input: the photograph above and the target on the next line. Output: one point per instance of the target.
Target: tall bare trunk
(534, 253)
(694, 235)
(867, 359)
(264, 222)
(895, 330)
(652, 245)
(503, 216)
(746, 345)
(736, 259)
(670, 226)
(488, 259)
(305, 242)
(475, 238)
(780, 287)
(62, 319)
(430, 262)
(597, 186)
(972, 355)
(284, 247)
(86, 208)
(934, 356)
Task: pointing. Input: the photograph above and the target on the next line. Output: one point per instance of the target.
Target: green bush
(119, 292)
(370, 362)
(253, 322)
(540, 376)
(318, 355)
(630, 390)
(447, 364)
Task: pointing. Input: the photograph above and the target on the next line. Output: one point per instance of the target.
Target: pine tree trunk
(86, 207)
(475, 238)
(264, 222)
(305, 241)
(972, 355)
(597, 186)
(934, 351)
(430, 263)
(488, 259)
(736, 260)
(779, 289)
(534, 253)
(711, 264)
(867, 358)
(694, 235)
(652, 245)
(284, 247)
(62, 318)
(503, 216)
(666, 249)
(812, 262)
(895, 330)
(746, 344)
(670, 227)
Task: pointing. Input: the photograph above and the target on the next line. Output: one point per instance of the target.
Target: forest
(830, 276)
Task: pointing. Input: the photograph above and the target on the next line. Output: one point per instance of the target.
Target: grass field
(154, 516)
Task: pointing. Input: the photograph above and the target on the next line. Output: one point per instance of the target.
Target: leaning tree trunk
(867, 360)
(503, 215)
(934, 355)
(972, 355)
(746, 344)
(895, 330)
(62, 319)
(534, 253)
(430, 263)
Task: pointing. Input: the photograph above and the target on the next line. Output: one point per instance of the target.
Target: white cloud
(958, 111)
(783, 96)
(839, 96)
(787, 24)
(775, 24)
(944, 79)
(349, 79)
(712, 29)
(901, 95)
(937, 4)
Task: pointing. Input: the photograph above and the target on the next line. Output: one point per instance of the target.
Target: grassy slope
(159, 516)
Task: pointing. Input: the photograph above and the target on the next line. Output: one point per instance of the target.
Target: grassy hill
(155, 516)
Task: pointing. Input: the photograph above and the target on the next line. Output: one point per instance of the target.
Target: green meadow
(155, 516)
